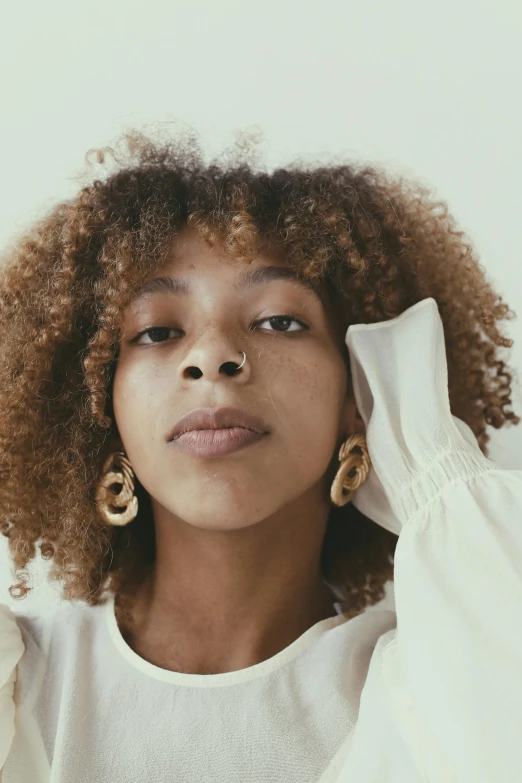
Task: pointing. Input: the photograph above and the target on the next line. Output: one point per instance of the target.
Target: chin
(220, 510)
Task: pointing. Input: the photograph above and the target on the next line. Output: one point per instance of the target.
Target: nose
(213, 363)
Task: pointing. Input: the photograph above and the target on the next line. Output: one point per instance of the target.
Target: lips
(216, 443)
(216, 419)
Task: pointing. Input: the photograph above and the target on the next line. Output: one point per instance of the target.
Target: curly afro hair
(373, 244)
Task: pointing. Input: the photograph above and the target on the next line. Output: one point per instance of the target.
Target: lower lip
(216, 443)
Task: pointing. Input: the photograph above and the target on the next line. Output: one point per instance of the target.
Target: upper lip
(216, 419)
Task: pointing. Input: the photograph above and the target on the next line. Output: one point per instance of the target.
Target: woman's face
(294, 379)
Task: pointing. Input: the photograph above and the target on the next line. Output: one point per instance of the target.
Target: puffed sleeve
(453, 665)
(11, 650)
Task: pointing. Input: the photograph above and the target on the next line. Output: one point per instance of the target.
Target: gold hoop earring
(116, 507)
(344, 486)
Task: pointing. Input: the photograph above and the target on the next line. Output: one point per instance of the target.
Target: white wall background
(429, 89)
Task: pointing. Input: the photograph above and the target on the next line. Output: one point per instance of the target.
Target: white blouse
(431, 692)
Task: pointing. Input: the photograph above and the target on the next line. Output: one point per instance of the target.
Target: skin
(238, 537)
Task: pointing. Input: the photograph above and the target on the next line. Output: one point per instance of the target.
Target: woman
(234, 405)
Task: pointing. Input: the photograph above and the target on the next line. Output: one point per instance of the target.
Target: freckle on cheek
(309, 379)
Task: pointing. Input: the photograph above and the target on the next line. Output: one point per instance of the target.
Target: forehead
(191, 256)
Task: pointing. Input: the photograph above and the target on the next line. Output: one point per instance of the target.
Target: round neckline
(224, 678)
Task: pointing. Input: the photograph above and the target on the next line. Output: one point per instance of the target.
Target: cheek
(308, 402)
(312, 386)
(135, 392)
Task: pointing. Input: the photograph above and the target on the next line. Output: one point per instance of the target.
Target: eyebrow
(248, 279)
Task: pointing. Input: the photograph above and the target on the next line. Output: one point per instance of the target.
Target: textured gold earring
(344, 485)
(116, 506)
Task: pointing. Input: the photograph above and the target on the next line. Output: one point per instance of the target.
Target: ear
(113, 443)
(353, 422)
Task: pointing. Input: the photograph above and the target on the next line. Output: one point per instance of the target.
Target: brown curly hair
(373, 244)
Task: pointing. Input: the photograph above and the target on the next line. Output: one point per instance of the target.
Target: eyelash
(271, 318)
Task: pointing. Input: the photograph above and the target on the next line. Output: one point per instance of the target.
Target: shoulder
(24, 643)
(33, 643)
(11, 650)
(11, 644)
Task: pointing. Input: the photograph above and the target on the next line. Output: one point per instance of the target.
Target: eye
(157, 334)
(284, 321)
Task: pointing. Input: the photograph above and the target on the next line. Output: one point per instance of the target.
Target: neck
(220, 601)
